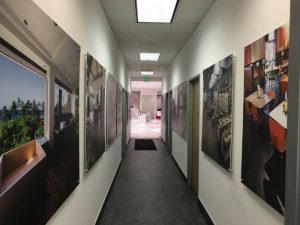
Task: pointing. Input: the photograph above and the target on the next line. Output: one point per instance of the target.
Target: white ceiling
(168, 39)
(56, 46)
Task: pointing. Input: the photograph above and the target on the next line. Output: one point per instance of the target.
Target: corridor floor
(149, 190)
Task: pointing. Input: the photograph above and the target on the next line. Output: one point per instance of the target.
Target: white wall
(227, 28)
(179, 151)
(86, 23)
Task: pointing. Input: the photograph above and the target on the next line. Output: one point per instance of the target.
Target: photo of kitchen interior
(265, 116)
(217, 112)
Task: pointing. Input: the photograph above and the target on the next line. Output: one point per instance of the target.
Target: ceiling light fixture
(149, 56)
(156, 11)
(147, 73)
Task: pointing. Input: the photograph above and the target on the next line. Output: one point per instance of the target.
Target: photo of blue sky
(17, 81)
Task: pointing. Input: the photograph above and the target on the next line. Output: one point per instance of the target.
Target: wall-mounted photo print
(119, 108)
(163, 108)
(217, 112)
(182, 93)
(111, 108)
(265, 116)
(22, 107)
(174, 104)
(179, 109)
(94, 111)
(39, 112)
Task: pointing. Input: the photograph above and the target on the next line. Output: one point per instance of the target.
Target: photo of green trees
(22, 112)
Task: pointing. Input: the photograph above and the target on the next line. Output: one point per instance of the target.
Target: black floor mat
(144, 144)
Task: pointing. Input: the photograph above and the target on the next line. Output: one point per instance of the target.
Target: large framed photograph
(163, 108)
(266, 66)
(217, 112)
(182, 93)
(119, 108)
(39, 115)
(179, 109)
(94, 111)
(174, 105)
(111, 108)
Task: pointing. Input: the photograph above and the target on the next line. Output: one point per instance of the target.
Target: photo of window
(62, 98)
(217, 112)
(265, 116)
(21, 106)
(39, 111)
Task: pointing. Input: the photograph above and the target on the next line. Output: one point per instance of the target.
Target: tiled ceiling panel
(167, 39)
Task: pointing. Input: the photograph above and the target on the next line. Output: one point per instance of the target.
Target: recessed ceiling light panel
(155, 11)
(147, 73)
(149, 56)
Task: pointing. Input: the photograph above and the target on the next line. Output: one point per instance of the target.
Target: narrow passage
(149, 190)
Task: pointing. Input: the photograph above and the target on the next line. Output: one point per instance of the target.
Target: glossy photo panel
(174, 104)
(179, 109)
(217, 112)
(94, 111)
(265, 116)
(111, 107)
(182, 93)
(119, 108)
(163, 108)
(39, 114)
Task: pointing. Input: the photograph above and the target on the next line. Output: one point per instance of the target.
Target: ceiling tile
(183, 28)
(188, 16)
(148, 64)
(166, 60)
(117, 4)
(153, 28)
(119, 27)
(118, 15)
(193, 5)
(168, 39)
(130, 50)
(160, 45)
(126, 36)
(151, 36)
(128, 44)
(179, 37)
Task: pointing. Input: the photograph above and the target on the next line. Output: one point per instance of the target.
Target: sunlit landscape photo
(22, 104)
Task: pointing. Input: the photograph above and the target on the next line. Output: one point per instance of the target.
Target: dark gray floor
(149, 191)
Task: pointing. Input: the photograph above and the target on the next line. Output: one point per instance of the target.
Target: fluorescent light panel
(155, 11)
(147, 73)
(149, 56)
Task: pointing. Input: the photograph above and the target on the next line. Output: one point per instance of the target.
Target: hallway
(214, 85)
(149, 190)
